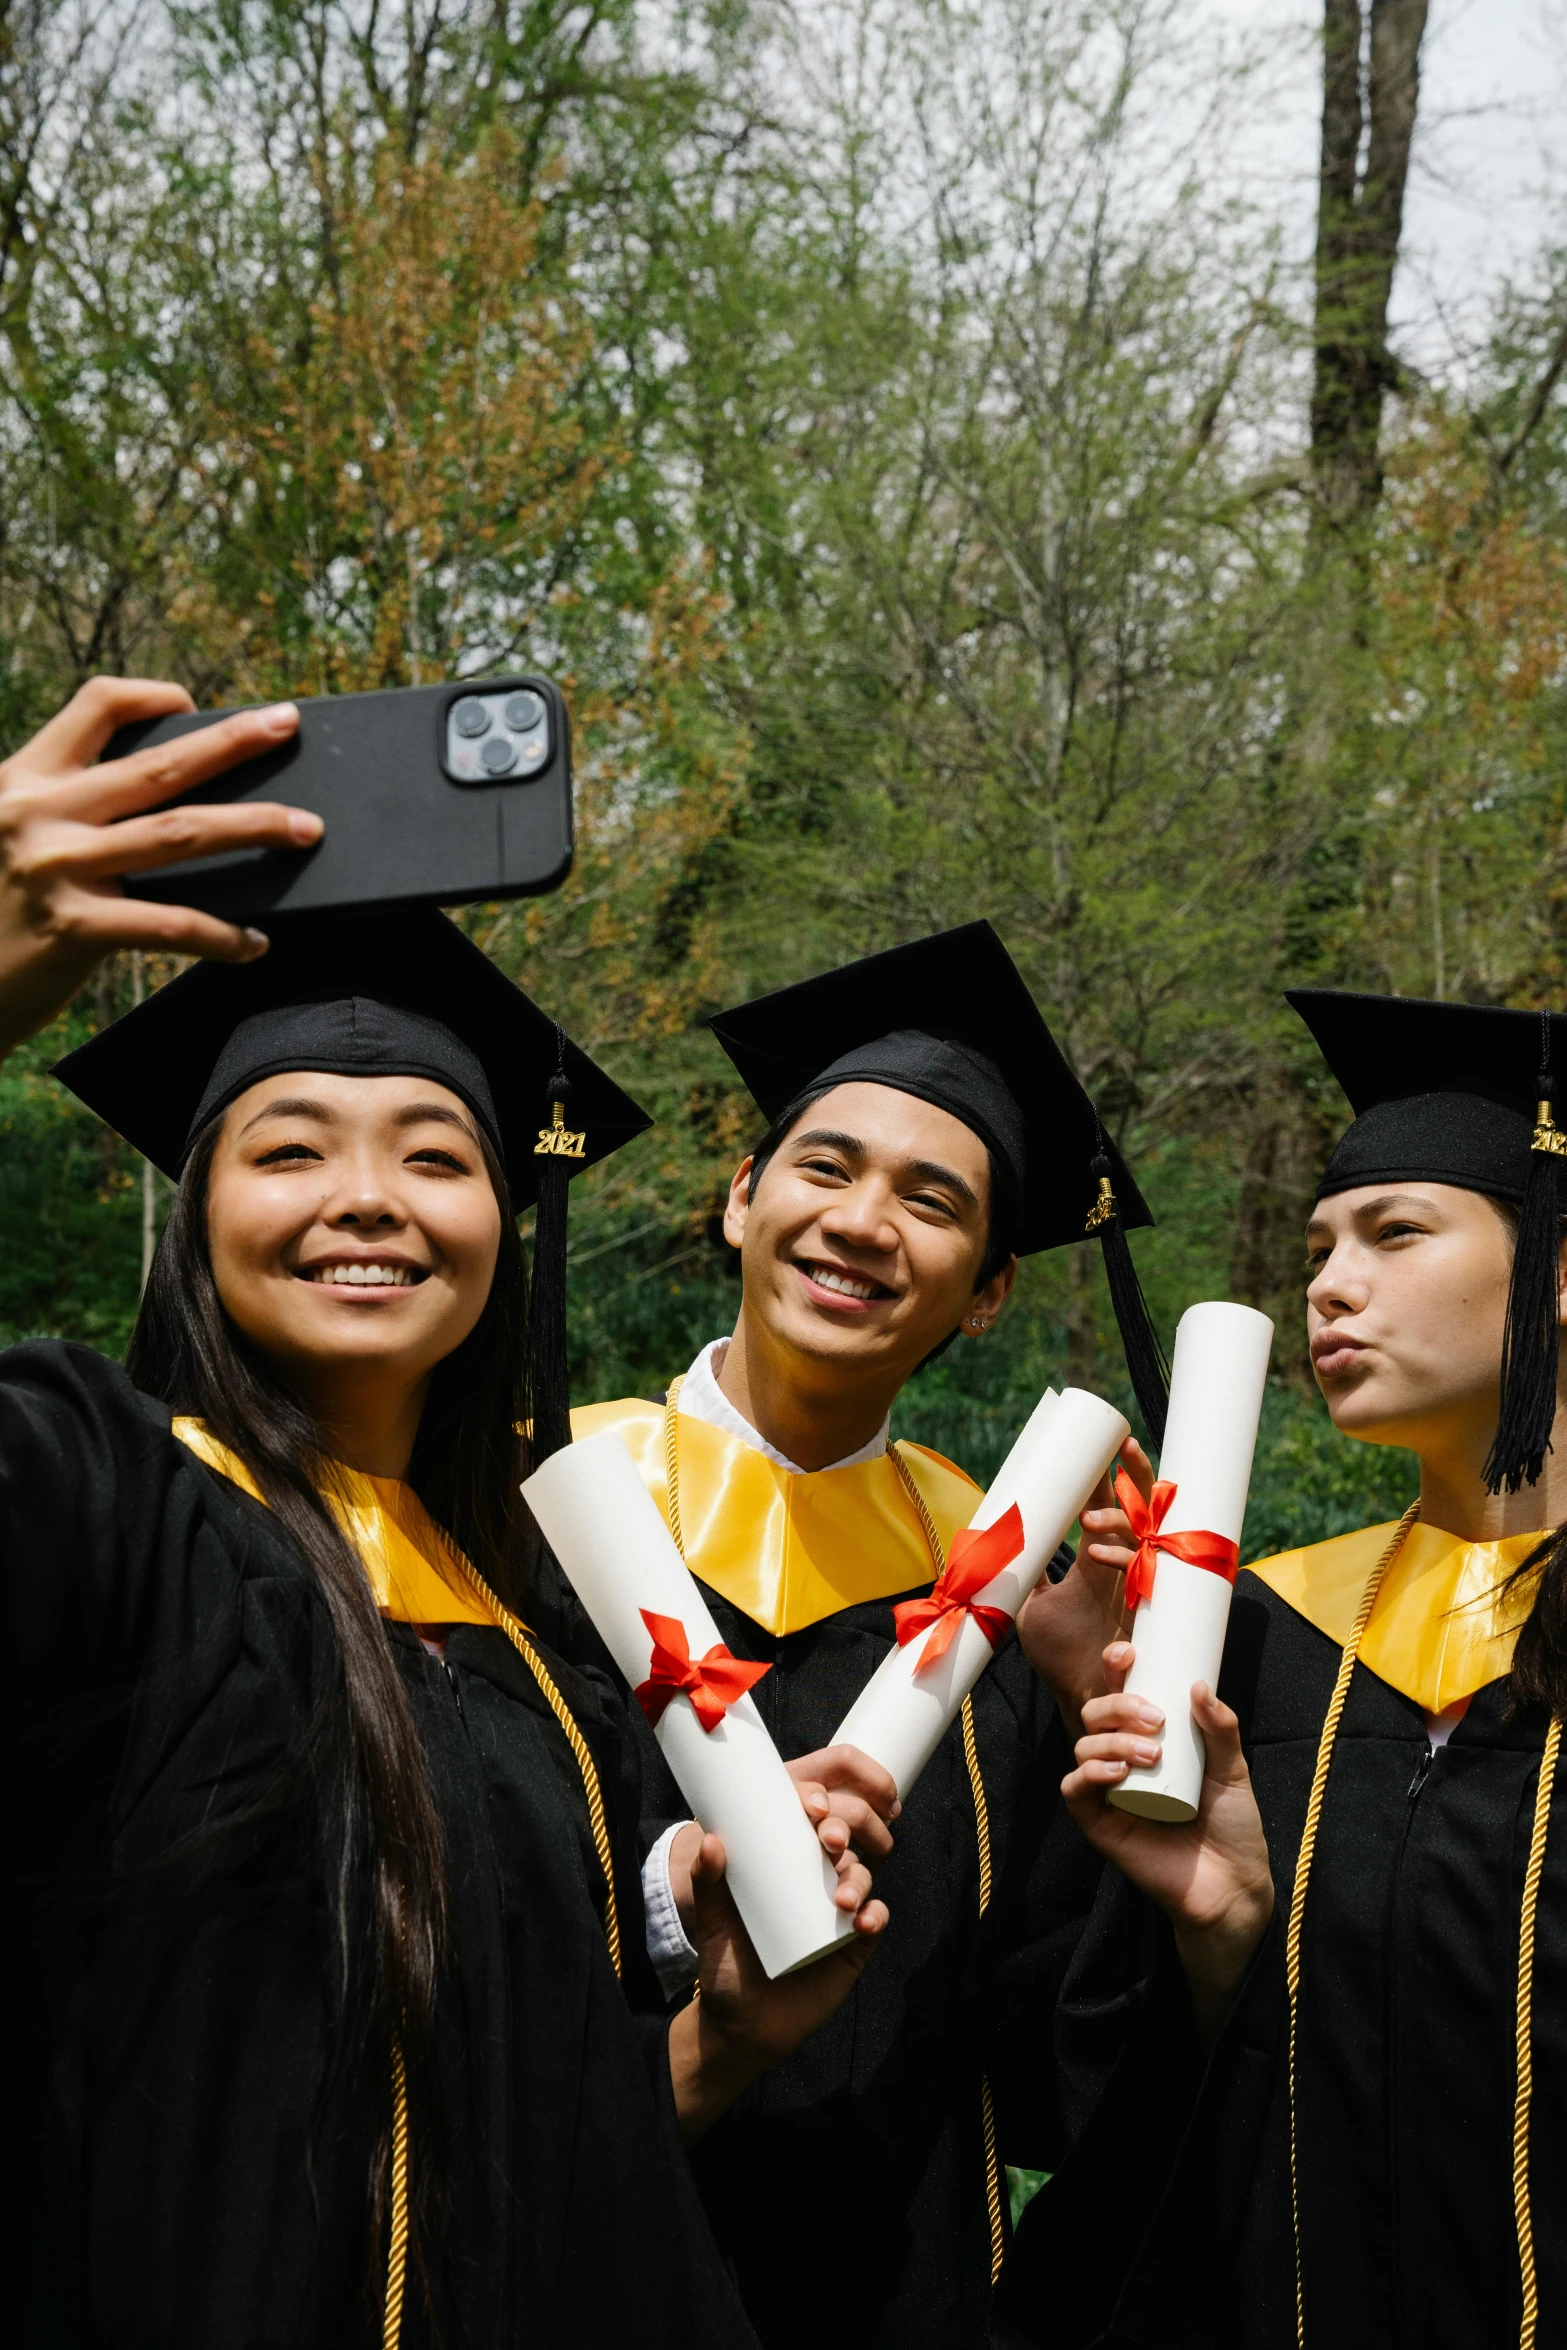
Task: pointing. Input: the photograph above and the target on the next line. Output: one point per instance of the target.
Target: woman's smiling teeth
(357, 1276)
(846, 1284)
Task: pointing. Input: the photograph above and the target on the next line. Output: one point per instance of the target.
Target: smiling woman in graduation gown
(334, 2023)
(1346, 2121)
(202, 2139)
(904, 2109)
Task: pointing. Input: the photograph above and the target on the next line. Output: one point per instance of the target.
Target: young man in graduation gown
(924, 1130)
(1323, 2030)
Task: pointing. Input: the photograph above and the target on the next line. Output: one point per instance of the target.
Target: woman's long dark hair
(1539, 1668)
(1539, 1673)
(469, 1460)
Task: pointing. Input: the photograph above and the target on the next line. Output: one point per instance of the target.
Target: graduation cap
(375, 995)
(1463, 1094)
(949, 1020)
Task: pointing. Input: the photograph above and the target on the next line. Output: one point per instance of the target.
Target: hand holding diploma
(605, 1529)
(742, 2022)
(849, 1799)
(1210, 1874)
(1189, 1533)
(1063, 1628)
(946, 1640)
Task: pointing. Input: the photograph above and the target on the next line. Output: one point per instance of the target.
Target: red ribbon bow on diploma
(713, 1683)
(971, 1563)
(1197, 1550)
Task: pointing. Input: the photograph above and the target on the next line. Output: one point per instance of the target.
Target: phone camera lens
(471, 717)
(523, 710)
(498, 756)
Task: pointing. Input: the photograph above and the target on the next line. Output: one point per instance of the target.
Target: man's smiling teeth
(829, 1277)
(365, 1276)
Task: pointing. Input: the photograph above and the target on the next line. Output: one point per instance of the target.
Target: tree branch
(1537, 402)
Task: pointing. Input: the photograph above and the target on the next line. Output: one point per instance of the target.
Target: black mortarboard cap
(950, 1020)
(376, 995)
(385, 994)
(1463, 1094)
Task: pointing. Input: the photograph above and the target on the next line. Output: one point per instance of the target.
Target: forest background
(944, 487)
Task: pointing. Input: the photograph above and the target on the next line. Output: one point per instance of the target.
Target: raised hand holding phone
(71, 831)
(434, 795)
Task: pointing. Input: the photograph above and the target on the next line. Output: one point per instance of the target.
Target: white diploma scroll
(902, 1713)
(1216, 1385)
(605, 1529)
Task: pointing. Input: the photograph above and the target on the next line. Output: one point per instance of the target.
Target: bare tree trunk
(104, 983)
(149, 1196)
(1284, 1158)
(1082, 1273)
(1252, 1266)
(1370, 90)
(1370, 93)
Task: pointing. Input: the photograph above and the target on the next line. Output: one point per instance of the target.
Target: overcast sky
(1489, 183)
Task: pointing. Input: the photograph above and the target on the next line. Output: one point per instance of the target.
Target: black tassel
(547, 1304)
(1531, 1344)
(1145, 1357)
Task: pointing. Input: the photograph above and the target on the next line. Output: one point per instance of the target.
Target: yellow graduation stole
(404, 1552)
(790, 1547)
(1444, 1623)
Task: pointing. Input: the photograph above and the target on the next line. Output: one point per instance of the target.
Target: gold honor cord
(987, 2106)
(397, 2247)
(672, 1464)
(1525, 2002)
(1308, 1845)
(516, 1633)
(505, 1621)
(1531, 1895)
(994, 2206)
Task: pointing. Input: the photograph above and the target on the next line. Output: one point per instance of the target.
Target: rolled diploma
(1216, 1386)
(605, 1529)
(901, 1715)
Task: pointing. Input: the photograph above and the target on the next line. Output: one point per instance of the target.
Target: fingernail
(1149, 1714)
(304, 827)
(280, 717)
(1146, 1751)
(896, 1812)
(257, 941)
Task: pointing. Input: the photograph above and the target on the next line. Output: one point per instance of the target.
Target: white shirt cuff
(674, 1959)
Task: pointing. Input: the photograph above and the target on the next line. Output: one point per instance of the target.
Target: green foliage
(641, 1307)
(642, 1303)
(70, 1209)
(1022, 2187)
(889, 423)
(1309, 1482)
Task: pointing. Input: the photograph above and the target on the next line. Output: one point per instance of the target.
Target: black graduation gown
(197, 2148)
(875, 2123)
(1169, 2222)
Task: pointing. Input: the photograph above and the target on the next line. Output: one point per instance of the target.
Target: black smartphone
(431, 795)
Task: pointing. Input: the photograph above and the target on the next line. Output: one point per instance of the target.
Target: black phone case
(399, 829)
